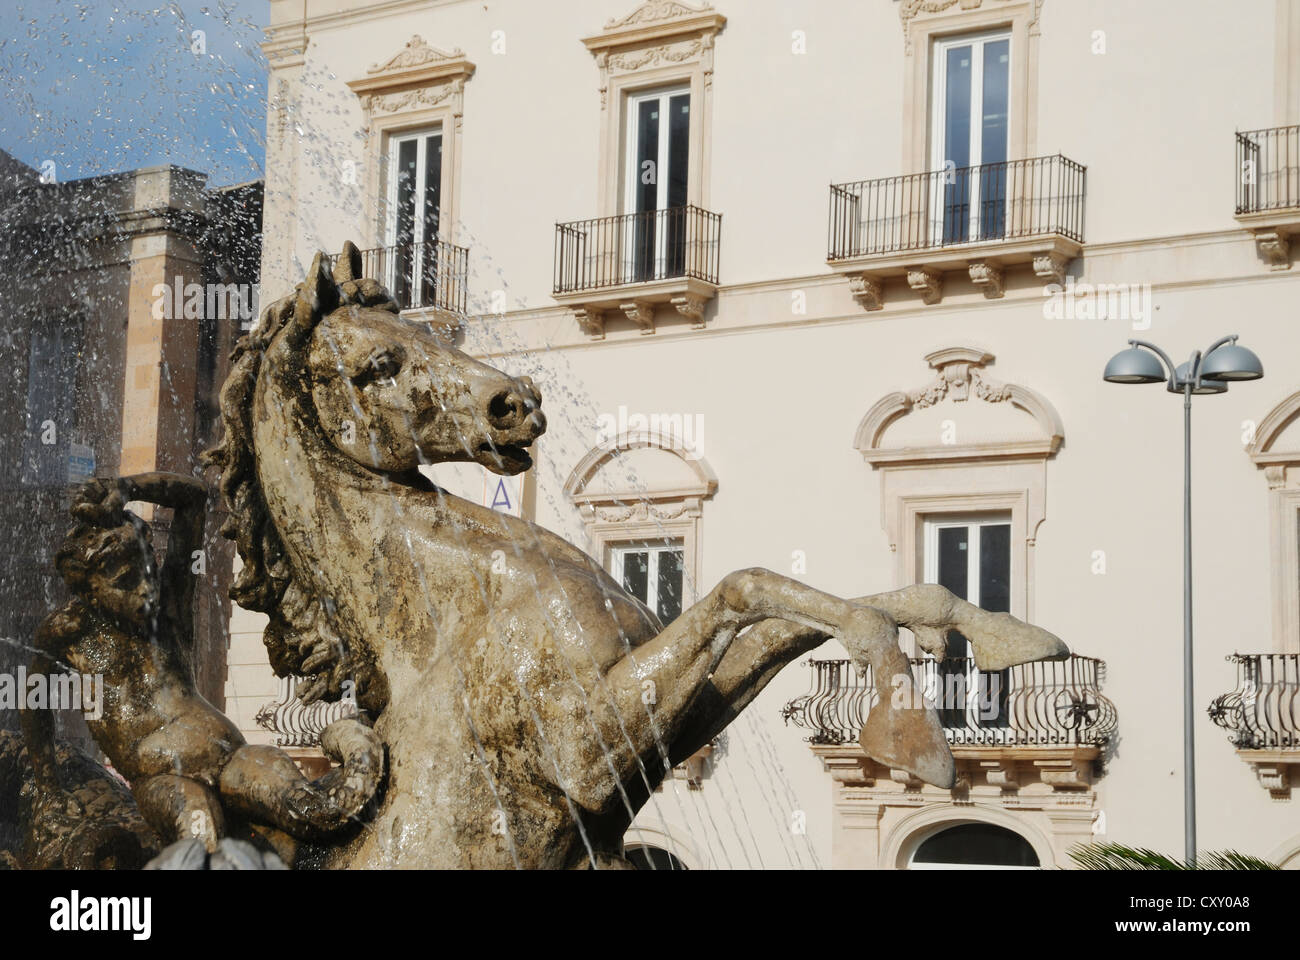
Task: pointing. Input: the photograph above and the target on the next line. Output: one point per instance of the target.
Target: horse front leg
(684, 659)
(930, 611)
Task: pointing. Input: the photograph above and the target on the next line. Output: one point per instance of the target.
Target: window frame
(617, 550)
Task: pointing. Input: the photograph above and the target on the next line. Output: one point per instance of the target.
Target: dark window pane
(404, 232)
(954, 546)
(995, 567)
(429, 277)
(636, 574)
(995, 595)
(678, 170)
(669, 584)
(975, 844)
(956, 143)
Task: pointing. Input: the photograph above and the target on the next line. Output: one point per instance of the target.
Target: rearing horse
(504, 668)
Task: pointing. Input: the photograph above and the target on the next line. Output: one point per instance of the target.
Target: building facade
(829, 289)
(125, 294)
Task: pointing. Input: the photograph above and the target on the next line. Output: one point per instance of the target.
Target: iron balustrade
(431, 274)
(1042, 703)
(1264, 711)
(1268, 169)
(989, 202)
(637, 248)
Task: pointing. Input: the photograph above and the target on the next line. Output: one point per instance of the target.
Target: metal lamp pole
(1203, 373)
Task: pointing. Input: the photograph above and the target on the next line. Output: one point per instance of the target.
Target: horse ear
(348, 266)
(317, 296)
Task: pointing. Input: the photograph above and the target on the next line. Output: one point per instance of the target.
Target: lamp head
(1232, 362)
(1134, 365)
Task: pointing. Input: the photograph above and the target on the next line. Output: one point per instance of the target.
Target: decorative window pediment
(1026, 426)
(418, 75)
(912, 11)
(657, 32)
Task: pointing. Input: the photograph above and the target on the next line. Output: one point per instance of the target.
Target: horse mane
(301, 639)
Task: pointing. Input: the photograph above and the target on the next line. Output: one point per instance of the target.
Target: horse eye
(384, 366)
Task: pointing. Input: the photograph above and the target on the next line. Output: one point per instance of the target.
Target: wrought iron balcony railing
(421, 275)
(297, 724)
(637, 248)
(1015, 199)
(1268, 169)
(1045, 703)
(1264, 711)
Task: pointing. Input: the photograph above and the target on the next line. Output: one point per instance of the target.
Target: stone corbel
(640, 313)
(1275, 247)
(692, 308)
(928, 281)
(1275, 778)
(867, 291)
(1001, 772)
(988, 277)
(591, 322)
(1050, 266)
(1065, 773)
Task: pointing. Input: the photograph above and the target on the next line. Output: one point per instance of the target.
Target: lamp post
(1204, 373)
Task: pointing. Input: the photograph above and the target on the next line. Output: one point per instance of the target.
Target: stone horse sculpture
(505, 671)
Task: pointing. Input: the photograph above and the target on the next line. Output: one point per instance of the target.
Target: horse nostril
(503, 406)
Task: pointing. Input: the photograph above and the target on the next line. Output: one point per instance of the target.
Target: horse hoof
(911, 739)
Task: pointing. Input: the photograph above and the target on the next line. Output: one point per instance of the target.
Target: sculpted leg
(698, 691)
(178, 807)
(928, 610)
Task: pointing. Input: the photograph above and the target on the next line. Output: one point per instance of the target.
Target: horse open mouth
(511, 457)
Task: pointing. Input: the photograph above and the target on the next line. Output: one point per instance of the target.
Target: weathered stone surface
(495, 655)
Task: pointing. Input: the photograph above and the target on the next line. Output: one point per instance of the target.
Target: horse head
(391, 395)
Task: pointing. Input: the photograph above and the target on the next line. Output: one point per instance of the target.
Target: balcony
(635, 263)
(429, 277)
(1045, 722)
(1268, 190)
(1262, 716)
(979, 221)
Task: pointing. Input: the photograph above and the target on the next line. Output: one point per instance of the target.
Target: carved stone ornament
(416, 53)
(959, 374)
(416, 77)
(868, 291)
(656, 33)
(640, 313)
(691, 307)
(988, 277)
(591, 322)
(911, 10)
(928, 281)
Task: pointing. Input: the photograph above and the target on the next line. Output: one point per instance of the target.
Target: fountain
(515, 706)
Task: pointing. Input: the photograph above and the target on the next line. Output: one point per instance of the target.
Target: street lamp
(1209, 373)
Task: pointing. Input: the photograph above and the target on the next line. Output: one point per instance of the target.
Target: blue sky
(99, 86)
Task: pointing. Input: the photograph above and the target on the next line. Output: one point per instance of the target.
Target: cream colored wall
(781, 393)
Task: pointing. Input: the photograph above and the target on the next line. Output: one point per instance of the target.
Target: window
(971, 556)
(655, 182)
(414, 197)
(51, 403)
(974, 846)
(643, 856)
(652, 572)
(969, 135)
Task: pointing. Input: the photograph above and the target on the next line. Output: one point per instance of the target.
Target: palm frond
(1117, 856)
